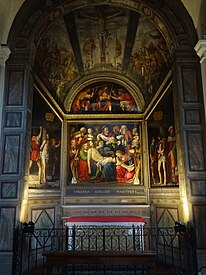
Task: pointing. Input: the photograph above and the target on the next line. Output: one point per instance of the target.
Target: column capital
(4, 54)
(200, 48)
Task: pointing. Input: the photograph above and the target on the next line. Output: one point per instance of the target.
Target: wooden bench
(146, 258)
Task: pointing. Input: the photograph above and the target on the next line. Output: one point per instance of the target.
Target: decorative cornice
(200, 48)
(4, 54)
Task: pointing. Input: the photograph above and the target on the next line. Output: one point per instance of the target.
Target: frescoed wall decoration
(162, 145)
(104, 97)
(101, 38)
(54, 62)
(79, 47)
(163, 156)
(104, 42)
(44, 166)
(150, 60)
(105, 153)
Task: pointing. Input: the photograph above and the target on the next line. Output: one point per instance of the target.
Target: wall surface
(8, 9)
(189, 134)
(197, 10)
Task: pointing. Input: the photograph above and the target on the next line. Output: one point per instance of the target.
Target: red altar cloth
(104, 220)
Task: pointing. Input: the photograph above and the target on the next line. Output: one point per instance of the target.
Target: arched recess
(175, 24)
(133, 89)
(33, 19)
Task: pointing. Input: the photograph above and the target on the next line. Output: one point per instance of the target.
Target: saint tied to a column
(101, 16)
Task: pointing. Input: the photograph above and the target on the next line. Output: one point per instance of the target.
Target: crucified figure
(102, 31)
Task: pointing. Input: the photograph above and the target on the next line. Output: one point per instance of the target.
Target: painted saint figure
(83, 174)
(135, 152)
(152, 156)
(45, 147)
(54, 158)
(73, 153)
(161, 159)
(125, 168)
(171, 156)
(35, 150)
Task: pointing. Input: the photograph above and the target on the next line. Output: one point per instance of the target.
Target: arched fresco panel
(104, 97)
(99, 39)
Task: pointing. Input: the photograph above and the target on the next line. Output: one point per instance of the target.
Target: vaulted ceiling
(101, 43)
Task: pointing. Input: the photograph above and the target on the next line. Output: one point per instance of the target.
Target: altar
(110, 233)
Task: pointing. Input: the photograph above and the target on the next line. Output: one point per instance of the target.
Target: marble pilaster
(4, 55)
(201, 51)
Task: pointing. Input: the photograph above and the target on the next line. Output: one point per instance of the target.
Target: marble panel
(189, 85)
(7, 217)
(192, 117)
(199, 215)
(11, 154)
(198, 187)
(9, 190)
(195, 152)
(13, 119)
(15, 89)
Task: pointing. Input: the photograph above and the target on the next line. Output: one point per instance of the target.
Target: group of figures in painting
(55, 63)
(44, 156)
(105, 154)
(109, 153)
(163, 159)
(104, 98)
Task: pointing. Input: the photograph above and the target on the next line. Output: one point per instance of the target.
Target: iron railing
(175, 250)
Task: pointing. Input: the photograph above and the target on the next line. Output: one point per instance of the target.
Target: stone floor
(118, 270)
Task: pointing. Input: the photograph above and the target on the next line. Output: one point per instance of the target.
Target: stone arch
(35, 17)
(175, 24)
(177, 27)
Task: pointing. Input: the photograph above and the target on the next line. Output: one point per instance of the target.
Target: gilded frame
(84, 188)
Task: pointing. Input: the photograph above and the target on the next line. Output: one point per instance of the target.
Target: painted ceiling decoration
(102, 39)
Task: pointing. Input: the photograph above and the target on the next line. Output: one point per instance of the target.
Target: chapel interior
(102, 113)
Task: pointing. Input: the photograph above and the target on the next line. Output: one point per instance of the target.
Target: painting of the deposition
(105, 153)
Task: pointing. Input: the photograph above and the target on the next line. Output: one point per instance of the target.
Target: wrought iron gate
(176, 253)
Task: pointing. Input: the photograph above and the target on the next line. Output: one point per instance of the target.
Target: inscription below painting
(82, 192)
(105, 153)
